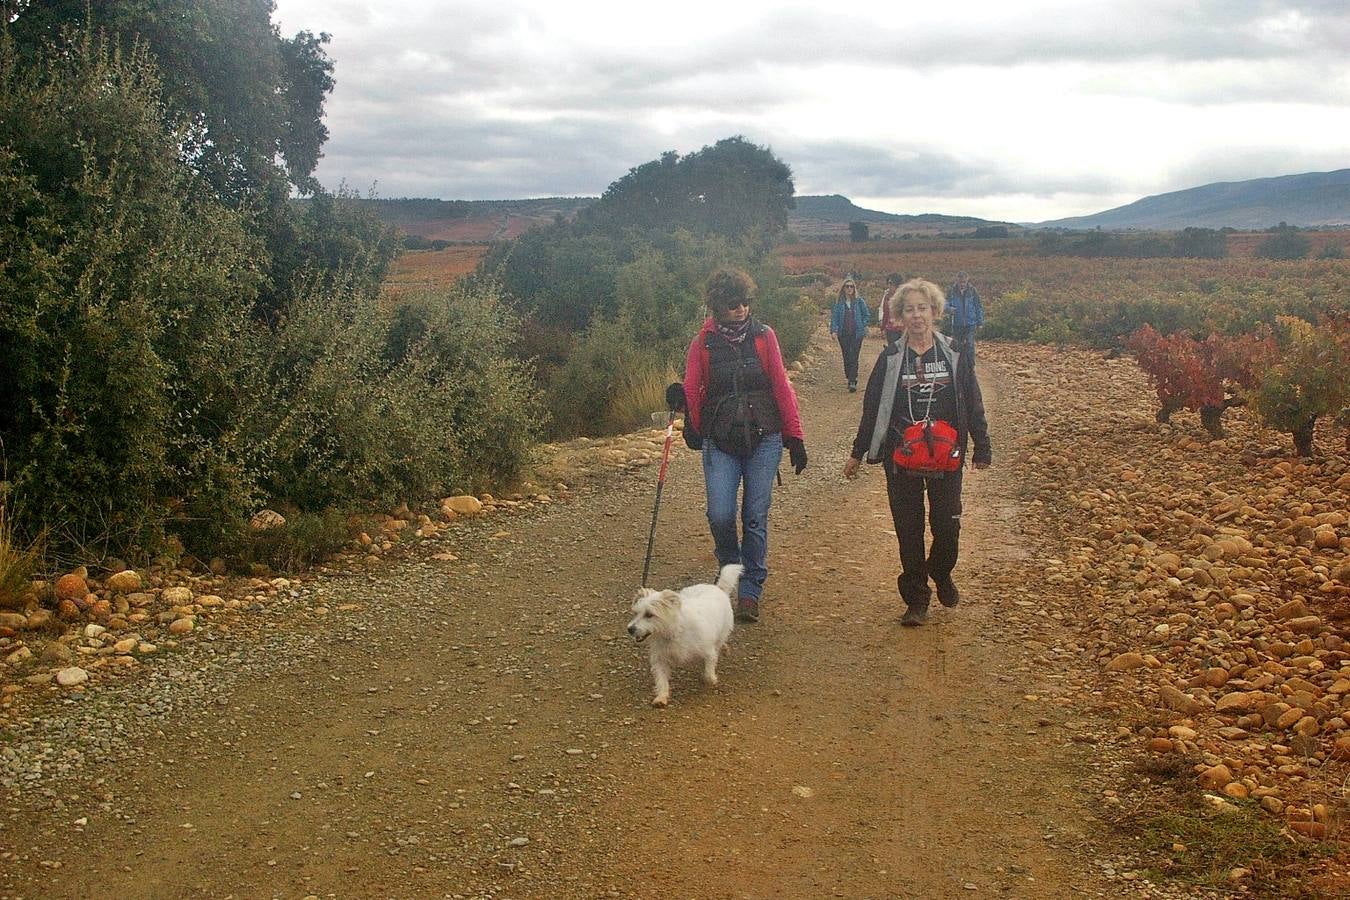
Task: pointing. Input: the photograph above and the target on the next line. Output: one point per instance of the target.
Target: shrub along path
(479, 726)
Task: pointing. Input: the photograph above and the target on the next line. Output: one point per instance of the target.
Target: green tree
(1201, 243)
(1284, 243)
(732, 188)
(858, 232)
(250, 96)
(124, 282)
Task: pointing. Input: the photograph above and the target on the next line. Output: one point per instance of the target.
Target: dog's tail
(728, 577)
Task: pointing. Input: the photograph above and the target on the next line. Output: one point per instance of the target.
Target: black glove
(692, 439)
(675, 401)
(796, 452)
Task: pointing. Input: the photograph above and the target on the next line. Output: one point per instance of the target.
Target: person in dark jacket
(741, 412)
(965, 314)
(848, 322)
(890, 328)
(922, 378)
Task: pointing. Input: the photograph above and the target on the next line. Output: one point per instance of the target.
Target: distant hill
(477, 221)
(828, 215)
(481, 221)
(1310, 199)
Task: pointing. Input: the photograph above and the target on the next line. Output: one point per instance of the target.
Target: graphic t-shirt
(925, 380)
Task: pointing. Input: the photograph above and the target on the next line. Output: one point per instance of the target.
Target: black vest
(739, 407)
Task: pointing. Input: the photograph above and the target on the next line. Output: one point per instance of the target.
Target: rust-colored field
(1013, 268)
(432, 268)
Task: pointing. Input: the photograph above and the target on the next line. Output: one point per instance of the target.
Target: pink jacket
(770, 358)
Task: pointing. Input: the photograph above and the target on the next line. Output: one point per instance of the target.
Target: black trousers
(850, 347)
(906, 494)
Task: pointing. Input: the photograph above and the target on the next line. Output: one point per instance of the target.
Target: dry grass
(18, 565)
(638, 394)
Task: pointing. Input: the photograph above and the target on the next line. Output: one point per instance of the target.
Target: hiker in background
(965, 314)
(741, 412)
(921, 408)
(848, 322)
(889, 326)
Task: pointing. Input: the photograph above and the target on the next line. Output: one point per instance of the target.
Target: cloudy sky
(1020, 110)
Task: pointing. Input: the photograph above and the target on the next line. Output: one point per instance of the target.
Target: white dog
(686, 627)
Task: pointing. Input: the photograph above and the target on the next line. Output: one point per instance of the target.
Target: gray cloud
(465, 100)
(1243, 163)
(916, 171)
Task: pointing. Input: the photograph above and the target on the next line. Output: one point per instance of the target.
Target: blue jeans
(722, 478)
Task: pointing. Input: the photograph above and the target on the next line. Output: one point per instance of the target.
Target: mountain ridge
(1308, 199)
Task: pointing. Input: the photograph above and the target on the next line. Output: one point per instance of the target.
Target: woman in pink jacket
(742, 413)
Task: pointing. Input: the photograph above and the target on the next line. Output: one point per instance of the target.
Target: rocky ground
(1142, 678)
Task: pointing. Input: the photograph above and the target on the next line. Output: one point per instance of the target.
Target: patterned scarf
(736, 333)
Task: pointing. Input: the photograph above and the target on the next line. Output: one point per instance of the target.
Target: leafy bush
(124, 284)
(1285, 243)
(142, 393)
(1308, 379)
(1193, 243)
(1205, 376)
(305, 539)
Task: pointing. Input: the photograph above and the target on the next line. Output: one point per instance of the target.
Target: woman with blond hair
(849, 318)
(921, 408)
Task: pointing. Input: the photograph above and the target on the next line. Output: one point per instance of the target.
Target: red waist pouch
(928, 446)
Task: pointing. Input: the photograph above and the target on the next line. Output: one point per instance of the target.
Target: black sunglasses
(728, 306)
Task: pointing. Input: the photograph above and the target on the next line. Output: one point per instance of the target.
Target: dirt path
(479, 727)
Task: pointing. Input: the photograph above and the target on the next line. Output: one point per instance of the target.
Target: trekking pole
(660, 486)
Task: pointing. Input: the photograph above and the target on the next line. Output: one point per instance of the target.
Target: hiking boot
(915, 615)
(747, 610)
(947, 593)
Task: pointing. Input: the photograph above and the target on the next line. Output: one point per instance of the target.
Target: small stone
(1305, 625)
(182, 626)
(177, 596)
(71, 676)
(1294, 609)
(71, 587)
(463, 505)
(1179, 701)
(267, 519)
(1237, 701)
(803, 791)
(1315, 830)
(124, 582)
(1125, 662)
(1160, 745)
(1216, 777)
(58, 653)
